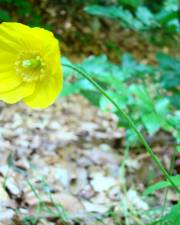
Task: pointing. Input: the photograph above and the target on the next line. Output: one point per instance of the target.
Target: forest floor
(71, 155)
(68, 162)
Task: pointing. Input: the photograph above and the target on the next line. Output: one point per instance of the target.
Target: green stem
(173, 159)
(131, 123)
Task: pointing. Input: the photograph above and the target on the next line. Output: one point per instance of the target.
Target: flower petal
(8, 81)
(10, 37)
(18, 41)
(17, 94)
(17, 37)
(46, 91)
(48, 41)
(7, 61)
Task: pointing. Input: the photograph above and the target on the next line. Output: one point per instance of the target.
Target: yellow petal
(9, 80)
(7, 61)
(15, 32)
(17, 37)
(17, 94)
(47, 40)
(18, 42)
(46, 91)
(10, 37)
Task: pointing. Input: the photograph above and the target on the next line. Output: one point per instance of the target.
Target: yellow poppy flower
(30, 68)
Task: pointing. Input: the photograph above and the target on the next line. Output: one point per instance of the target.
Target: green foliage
(4, 15)
(162, 184)
(170, 76)
(132, 3)
(140, 17)
(25, 10)
(171, 218)
(135, 88)
(116, 13)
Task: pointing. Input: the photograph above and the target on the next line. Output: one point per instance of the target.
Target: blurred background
(96, 27)
(78, 162)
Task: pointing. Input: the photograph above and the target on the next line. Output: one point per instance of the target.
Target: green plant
(4, 15)
(162, 184)
(140, 17)
(169, 70)
(23, 8)
(173, 215)
(126, 117)
(135, 87)
(171, 218)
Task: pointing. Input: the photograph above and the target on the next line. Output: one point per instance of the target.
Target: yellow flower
(30, 68)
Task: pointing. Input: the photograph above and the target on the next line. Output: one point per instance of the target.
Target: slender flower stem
(166, 191)
(131, 123)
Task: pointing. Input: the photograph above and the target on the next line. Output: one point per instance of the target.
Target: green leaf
(143, 99)
(175, 120)
(173, 217)
(103, 70)
(168, 62)
(69, 89)
(92, 96)
(162, 184)
(131, 138)
(85, 85)
(105, 105)
(145, 15)
(115, 12)
(66, 71)
(112, 12)
(162, 106)
(4, 15)
(133, 3)
(152, 122)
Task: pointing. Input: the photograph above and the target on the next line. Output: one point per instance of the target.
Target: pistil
(31, 63)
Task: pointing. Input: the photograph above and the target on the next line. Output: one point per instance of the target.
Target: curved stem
(131, 123)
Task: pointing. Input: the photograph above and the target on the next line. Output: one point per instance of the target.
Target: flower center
(31, 63)
(30, 66)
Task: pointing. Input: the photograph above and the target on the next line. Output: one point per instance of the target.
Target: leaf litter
(58, 166)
